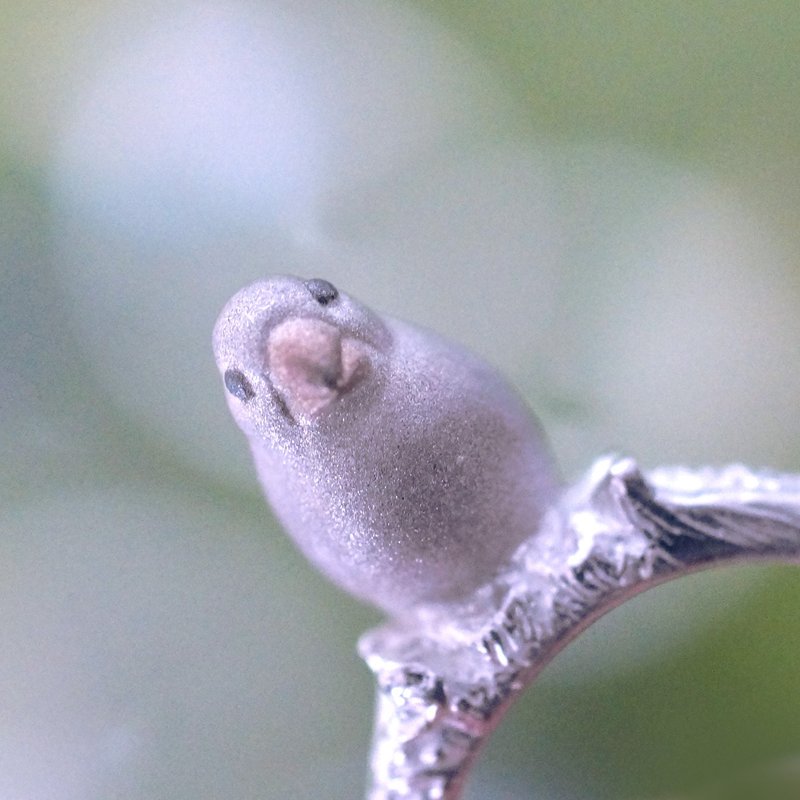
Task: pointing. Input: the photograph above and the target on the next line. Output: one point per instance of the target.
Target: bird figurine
(405, 468)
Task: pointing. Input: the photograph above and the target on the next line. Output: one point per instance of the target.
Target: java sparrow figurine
(404, 467)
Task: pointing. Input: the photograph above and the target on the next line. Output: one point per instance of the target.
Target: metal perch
(446, 678)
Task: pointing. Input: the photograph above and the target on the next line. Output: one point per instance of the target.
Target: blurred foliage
(702, 86)
(699, 79)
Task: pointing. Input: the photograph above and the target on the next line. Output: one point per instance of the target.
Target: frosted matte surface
(405, 468)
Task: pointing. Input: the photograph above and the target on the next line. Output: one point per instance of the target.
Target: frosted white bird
(413, 476)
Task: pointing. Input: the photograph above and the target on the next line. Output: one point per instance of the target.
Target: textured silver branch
(447, 673)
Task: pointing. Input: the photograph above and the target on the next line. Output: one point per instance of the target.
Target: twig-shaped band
(447, 673)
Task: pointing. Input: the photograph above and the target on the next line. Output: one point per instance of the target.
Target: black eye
(322, 291)
(238, 385)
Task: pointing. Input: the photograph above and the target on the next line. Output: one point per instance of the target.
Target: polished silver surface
(447, 674)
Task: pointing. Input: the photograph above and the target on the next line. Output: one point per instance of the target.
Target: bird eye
(322, 291)
(238, 385)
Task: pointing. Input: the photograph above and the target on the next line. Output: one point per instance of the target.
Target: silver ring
(447, 674)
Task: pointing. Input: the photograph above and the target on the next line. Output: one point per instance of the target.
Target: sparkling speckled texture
(416, 480)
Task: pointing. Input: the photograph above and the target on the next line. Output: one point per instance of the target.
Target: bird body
(403, 466)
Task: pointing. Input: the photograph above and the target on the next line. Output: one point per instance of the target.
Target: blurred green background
(601, 198)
